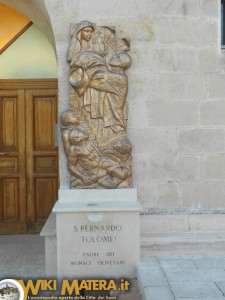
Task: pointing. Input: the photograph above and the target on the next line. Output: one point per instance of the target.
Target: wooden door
(12, 162)
(28, 155)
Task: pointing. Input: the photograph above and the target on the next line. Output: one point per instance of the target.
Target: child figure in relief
(88, 166)
(69, 121)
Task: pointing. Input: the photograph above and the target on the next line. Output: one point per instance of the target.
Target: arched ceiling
(37, 12)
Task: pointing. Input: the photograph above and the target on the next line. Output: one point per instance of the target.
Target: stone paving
(22, 256)
(173, 277)
(132, 294)
(189, 277)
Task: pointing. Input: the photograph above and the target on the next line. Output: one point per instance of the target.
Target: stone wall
(176, 95)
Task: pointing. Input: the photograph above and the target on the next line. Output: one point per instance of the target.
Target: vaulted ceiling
(36, 11)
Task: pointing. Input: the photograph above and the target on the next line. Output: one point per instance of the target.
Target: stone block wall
(176, 95)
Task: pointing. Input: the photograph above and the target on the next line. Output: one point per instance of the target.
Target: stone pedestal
(98, 233)
(49, 232)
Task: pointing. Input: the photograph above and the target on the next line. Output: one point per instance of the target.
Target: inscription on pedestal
(99, 234)
(104, 244)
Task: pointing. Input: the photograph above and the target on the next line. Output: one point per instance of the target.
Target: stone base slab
(49, 232)
(97, 237)
(98, 195)
(84, 252)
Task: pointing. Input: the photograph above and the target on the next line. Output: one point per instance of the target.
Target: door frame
(14, 84)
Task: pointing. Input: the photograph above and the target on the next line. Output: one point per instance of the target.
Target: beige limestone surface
(176, 92)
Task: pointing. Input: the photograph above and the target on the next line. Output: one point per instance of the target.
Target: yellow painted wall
(30, 56)
(12, 22)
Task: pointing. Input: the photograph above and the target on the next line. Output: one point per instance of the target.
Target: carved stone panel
(94, 126)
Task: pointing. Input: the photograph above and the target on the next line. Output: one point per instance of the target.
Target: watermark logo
(52, 289)
(11, 289)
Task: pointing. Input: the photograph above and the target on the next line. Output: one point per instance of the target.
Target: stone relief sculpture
(94, 127)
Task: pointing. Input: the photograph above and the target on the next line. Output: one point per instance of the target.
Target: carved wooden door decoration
(28, 155)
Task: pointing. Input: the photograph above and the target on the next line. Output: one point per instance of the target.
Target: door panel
(44, 117)
(45, 190)
(46, 164)
(8, 164)
(28, 155)
(10, 196)
(12, 162)
(41, 155)
(9, 123)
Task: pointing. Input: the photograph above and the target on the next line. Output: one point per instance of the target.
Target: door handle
(3, 153)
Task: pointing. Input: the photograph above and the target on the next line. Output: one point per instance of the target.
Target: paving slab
(22, 256)
(191, 290)
(158, 293)
(221, 287)
(132, 294)
(152, 277)
(210, 263)
(31, 271)
(212, 275)
(189, 277)
(149, 261)
(177, 264)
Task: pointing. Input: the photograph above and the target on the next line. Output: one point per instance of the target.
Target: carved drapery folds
(94, 127)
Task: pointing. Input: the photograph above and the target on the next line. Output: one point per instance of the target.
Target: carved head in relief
(69, 118)
(83, 33)
(81, 37)
(121, 59)
(86, 33)
(84, 30)
(123, 146)
(77, 135)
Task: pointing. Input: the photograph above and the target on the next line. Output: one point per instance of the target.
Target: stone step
(182, 243)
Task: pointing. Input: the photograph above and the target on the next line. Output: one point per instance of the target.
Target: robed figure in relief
(96, 144)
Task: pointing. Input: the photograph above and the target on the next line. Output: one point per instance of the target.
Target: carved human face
(86, 33)
(69, 118)
(72, 119)
(77, 136)
(123, 146)
(121, 59)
